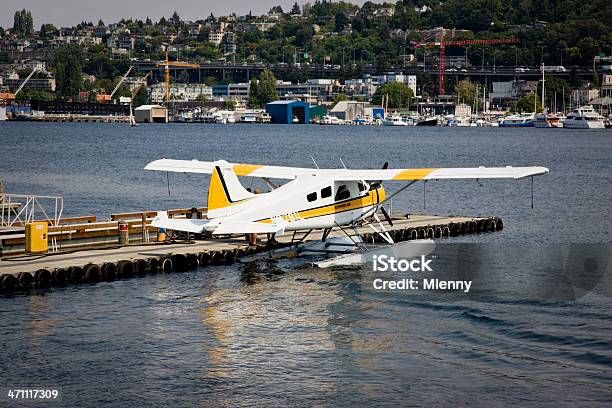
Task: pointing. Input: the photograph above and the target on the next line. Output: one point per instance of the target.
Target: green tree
(141, 97)
(400, 95)
(253, 101)
(295, 9)
(68, 70)
(175, 19)
(264, 90)
(23, 23)
(229, 104)
(47, 29)
(340, 21)
(340, 97)
(527, 103)
(466, 92)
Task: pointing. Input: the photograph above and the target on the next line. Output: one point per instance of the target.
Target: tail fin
(224, 191)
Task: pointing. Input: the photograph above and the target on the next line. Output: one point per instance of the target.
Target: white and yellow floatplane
(313, 199)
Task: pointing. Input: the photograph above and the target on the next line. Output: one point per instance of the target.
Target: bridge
(244, 72)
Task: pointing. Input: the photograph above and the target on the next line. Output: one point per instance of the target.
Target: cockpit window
(326, 192)
(342, 193)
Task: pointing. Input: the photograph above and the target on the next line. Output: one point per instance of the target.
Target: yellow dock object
(36, 237)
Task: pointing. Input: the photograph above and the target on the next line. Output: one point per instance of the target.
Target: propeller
(377, 183)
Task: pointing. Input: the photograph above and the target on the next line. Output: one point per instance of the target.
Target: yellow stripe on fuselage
(413, 174)
(245, 169)
(350, 205)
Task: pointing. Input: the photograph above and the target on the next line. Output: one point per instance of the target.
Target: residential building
(215, 37)
(36, 84)
(179, 92)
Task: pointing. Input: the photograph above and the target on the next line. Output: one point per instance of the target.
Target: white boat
(329, 120)
(394, 120)
(523, 120)
(248, 118)
(546, 120)
(584, 117)
(264, 117)
(225, 116)
(462, 121)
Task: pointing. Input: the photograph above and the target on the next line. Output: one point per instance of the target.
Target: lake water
(534, 329)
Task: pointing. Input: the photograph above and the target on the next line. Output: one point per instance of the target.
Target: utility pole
(483, 53)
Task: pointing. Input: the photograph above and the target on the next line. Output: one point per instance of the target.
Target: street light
(542, 54)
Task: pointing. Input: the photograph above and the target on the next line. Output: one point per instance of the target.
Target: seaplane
(313, 199)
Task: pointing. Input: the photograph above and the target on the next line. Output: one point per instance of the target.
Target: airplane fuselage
(309, 203)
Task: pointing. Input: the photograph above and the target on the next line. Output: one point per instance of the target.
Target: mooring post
(124, 233)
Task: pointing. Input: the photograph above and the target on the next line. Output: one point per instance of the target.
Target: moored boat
(524, 120)
(584, 117)
(547, 120)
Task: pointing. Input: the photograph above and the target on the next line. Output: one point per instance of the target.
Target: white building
(180, 92)
(215, 37)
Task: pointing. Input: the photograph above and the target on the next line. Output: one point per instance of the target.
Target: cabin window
(342, 193)
(312, 197)
(361, 186)
(326, 192)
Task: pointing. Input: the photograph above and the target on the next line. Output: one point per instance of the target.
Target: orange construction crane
(9, 96)
(443, 44)
(104, 97)
(167, 64)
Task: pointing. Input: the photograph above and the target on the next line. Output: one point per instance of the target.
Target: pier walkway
(118, 262)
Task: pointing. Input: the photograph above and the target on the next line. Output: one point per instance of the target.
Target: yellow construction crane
(167, 64)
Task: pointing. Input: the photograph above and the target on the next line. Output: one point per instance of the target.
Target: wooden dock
(109, 261)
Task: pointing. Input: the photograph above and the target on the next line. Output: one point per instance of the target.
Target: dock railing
(20, 209)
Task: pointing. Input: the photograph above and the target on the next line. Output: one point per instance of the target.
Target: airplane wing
(251, 170)
(441, 173)
(281, 172)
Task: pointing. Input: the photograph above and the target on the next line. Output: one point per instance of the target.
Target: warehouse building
(289, 112)
(151, 114)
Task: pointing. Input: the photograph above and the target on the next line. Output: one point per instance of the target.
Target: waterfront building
(231, 91)
(288, 112)
(180, 91)
(151, 114)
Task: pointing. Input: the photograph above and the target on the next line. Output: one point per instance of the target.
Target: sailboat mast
(543, 88)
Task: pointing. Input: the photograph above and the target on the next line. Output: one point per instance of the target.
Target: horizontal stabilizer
(179, 224)
(246, 227)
